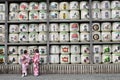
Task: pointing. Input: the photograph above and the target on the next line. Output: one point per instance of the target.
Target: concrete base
(64, 69)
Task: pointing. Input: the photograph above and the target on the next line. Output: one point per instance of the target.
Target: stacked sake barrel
(106, 31)
(2, 26)
(27, 11)
(116, 32)
(2, 12)
(106, 10)
(13, 55)
(65, 54)
(27, 33)
(106, 53)
(69, 32)
(2, 54)
(73, 10)
(15, 52)
(2, 33)
(116, 53)
(85, 54)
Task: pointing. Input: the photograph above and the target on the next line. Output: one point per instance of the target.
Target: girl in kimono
(25, 59)
(36, 59)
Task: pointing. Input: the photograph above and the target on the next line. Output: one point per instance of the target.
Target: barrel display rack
(56, 68)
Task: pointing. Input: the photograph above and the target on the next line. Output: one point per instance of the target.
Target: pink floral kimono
(25, 59)
(36, 58)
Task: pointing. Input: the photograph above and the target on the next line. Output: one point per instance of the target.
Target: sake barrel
(42, 6)
(2, 7)
(64, 27)
(85, 49)
(23, 28)
(74, 36)
(106, 26)
(54, 49)
(107, 49)
(85, 59)
(74, 27)
(2, 28)
(64, 36)
(21, 49)
(33, 6)
(65, 49)
(96, 14)
(33, 28)
(85, 37)
(96, 5)
(12, 50)
(31, 49)
(23, 15)
(115, 58)
(75, 58)
(2, 50)
(54, 27)
(13, 16)
(43, 59)
(75, 49)
(42, 37)
(2, 16)
(54, 59)
(13, 38)
(54, 15)
(106, 58)
(85, 14)
(83, 5)
(115, 4)
(116, 26)
(54, 36)
(115, 48)
(105, 14)
(24, 6)
(96, 26)
(42, 15)
(42, 27)
(54, 6)
(23, 37)
(96, 36)
(64, 15)
(64, 6)
(64, 59)
(97, 49)
(13, 28)
(14, 7)
(97, 58)
(33, 37)
(84, 27)
(2, 59)
(74, 5)
(74, 15)
(43, 50)
(13, 59)
(115, 36)
(115, 14)
(106, 36)
(105, 4)
(2, 38)
(33, 15)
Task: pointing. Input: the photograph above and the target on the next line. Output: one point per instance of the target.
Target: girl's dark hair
(36, 51)
(25, 51)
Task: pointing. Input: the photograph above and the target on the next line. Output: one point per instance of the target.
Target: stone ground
(62, 77)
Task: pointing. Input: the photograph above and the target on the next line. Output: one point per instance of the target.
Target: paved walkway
(61, 77)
